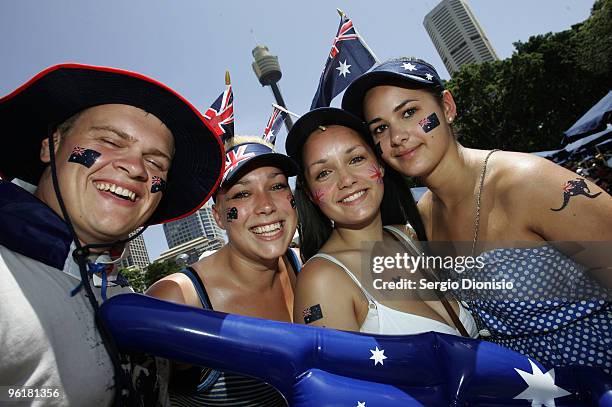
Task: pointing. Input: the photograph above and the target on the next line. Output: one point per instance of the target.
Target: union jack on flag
(345, 32)
(234, 157)
(78, 150)
(273, 126)
(424, 121)
(220, 115)
(348, 59)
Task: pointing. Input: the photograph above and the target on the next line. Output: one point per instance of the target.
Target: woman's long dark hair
(397, 207)
(314, 227)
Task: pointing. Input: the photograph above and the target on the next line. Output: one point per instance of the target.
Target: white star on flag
(429, 76)
(378, 356)
(541, 388)
(343, 68)
(409, 67)
(361, 404)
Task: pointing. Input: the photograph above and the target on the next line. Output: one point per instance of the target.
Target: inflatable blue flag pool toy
(314, 366)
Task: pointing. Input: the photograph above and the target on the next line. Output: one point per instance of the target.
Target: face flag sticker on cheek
(158, 184)
(318, 197)
(83, 156)
(291, 200)
(379, 148)
(312, 314)
(429, 123)
(376, 173)
(231, 214)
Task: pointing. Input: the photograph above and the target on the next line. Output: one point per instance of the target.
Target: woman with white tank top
(344, 200)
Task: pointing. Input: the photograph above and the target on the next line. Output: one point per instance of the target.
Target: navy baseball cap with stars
(402, 72)
(244, 153)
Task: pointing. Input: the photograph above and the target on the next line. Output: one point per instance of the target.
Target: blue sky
(188, 44)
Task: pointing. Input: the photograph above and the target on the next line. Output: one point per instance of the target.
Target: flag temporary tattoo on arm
(231, 214)
(83, 156)
(157, 184)
(429, 123)
(573, 188)
(312, 314)
(376, 173)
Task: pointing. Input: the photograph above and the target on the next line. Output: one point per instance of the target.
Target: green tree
(594, 42)
(157, 271)
(136, 278)
(525, 102)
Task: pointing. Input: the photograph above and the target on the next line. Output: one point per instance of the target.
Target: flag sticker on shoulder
(312, 314)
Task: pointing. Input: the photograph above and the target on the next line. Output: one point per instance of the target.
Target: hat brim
(324, 116)
(280, 161)
(352, 101)
(32, 111)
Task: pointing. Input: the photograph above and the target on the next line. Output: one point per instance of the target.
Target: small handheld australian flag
(273, 126)
(220, 115)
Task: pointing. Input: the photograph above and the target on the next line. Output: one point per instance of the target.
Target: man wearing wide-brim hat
(109, 151)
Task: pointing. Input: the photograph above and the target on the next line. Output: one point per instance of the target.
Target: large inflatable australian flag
(320, 367)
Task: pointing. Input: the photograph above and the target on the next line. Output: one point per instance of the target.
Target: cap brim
(280, 161)
(352, 101)
(33, 110)
(324, 116)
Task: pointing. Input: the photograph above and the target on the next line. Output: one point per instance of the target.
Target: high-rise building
(199, 224)
(457, 36)
(136, 254)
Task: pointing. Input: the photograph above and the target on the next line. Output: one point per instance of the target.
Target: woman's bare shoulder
(176, 287)
(514, 169)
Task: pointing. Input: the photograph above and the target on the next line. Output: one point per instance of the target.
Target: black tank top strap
(195, 379)
(198, 284)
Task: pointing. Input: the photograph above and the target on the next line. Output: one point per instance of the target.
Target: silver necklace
(478, 201)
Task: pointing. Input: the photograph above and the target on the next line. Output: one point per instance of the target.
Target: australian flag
(220, 115)
(327, 367)
(158, 184)
(273, 126)
(347, 59)
(84, 156)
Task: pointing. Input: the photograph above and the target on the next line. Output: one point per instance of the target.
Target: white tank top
(388, 321)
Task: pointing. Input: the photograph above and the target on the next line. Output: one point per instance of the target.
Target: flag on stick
(349, 57)
(220, 115)
(273, 126)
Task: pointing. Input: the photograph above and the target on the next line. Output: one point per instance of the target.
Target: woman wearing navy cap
(485, 198)
(254, 274)
(344, 200)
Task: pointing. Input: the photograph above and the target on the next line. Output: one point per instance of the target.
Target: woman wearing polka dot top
(556, 312)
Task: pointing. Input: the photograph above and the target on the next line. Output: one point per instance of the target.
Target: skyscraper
(201, 223)
(457, 36)
(137, 254)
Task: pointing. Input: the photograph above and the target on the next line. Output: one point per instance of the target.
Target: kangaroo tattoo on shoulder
(575, 187)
